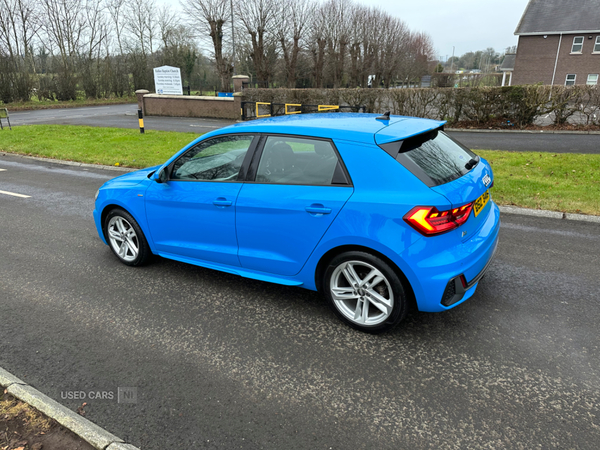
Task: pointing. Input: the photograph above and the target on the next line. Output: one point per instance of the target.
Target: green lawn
(563, 182)
(566, 182)
(95, 145)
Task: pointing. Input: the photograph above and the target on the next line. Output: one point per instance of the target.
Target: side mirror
(161, 177)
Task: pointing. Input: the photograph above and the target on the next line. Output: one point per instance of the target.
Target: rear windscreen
(437, 155)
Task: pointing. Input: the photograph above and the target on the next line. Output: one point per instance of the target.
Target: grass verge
(565, 182)
(95, 145)
(22, 427)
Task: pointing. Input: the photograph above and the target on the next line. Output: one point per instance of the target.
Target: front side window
(217, 159)
(570, 81)
(597, 45)
(577, 44)
(291, 160)
(592, 79)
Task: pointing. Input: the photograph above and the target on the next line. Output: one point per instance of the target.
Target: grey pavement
(223, 362)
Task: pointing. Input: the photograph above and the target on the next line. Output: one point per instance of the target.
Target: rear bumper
(439, 270)
(458, 286)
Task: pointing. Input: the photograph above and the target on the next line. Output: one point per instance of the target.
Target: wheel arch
(110, 207)
(134, 213)
(332, 253)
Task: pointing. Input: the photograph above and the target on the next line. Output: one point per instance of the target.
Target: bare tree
(361, 17)
(18, 26)
(96, 34)
(394, 48)
(291, 31)
(213, 16)
(178, 47)
(141, 23)
(116, 10)
(168, 26)
(258, 19)
(118, 70)
(420, 52)
(317, 44)
(338, 19)
(64, 30)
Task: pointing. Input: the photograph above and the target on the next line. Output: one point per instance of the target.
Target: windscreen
(440, 157)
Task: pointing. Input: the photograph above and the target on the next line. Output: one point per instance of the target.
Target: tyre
(365, 292)
(125, 238)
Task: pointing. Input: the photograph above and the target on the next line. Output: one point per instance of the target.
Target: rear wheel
(365, 292)
(125, 238)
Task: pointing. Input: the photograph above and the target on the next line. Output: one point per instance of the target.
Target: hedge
(510, 105)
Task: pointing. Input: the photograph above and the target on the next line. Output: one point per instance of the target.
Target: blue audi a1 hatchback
(375, 212)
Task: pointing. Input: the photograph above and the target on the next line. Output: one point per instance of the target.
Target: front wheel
(125, 238)
(365, 292)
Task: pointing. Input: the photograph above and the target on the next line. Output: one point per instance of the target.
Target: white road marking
(2, 170)
(15, 195)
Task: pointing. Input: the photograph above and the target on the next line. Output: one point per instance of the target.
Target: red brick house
(559, 43)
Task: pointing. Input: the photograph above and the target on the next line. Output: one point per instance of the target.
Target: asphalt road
(223, 362)
(125, 116)
(530, 142)
(119, 116)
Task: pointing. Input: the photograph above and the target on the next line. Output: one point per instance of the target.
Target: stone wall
(193, 105)
(189, 106)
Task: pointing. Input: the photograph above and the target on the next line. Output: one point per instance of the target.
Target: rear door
(295, 189)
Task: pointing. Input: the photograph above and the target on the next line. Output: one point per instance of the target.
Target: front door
(193, 213)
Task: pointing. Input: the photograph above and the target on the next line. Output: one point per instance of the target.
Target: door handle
(317, 208)
(222, 201)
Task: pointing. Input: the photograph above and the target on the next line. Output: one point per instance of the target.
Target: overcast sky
(469, 25)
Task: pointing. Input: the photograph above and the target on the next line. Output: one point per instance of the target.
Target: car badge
(487, 180)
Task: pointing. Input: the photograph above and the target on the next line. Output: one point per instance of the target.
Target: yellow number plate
(481, 202)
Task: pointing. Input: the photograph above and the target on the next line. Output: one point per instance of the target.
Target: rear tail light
(429, 221)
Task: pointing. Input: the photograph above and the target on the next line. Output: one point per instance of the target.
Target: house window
(577, 44)
(570, 79)
(592, 79)
(597, 45)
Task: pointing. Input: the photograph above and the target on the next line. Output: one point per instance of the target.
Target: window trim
(596, 48)
(574, 79)
(253, 168)
(588, 79)
(243, 169)
(573, 52)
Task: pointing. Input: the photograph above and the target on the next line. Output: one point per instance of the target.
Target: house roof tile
(509, 62)
(560, 16)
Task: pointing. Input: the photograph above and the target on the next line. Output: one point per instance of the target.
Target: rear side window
(436, 158)
(292, 160)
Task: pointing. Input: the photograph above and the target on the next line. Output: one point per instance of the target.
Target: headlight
(96, 196)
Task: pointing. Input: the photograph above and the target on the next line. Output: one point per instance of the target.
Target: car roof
(358, 127)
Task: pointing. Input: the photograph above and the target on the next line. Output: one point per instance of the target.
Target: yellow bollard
(141, 119)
